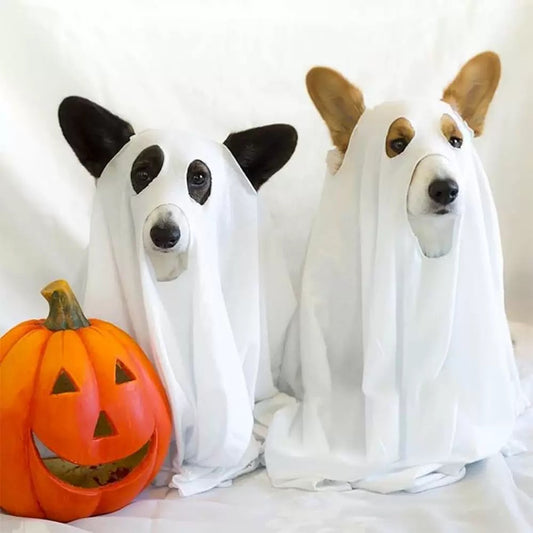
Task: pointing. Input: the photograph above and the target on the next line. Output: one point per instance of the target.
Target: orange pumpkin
(87, 392)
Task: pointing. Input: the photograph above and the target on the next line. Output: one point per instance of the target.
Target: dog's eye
(398, 145)
(143, 176)
(199, 181)
(456, 142)
(146, 167)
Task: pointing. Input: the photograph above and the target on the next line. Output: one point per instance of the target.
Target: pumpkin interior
(94, 476)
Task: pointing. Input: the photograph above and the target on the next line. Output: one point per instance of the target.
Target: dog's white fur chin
(167, 266)
(435, 233)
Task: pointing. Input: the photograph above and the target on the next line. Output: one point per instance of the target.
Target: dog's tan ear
(471, 92)
(339, 103)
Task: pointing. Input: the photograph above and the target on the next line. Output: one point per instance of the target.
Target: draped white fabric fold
(203, 329)
(402, 364)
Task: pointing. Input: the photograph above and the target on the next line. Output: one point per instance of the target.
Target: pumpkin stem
(65, 311)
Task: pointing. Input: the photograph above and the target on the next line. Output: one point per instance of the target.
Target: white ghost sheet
(402, 364)
(205, 327)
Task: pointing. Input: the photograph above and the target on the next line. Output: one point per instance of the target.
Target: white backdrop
(216, 67)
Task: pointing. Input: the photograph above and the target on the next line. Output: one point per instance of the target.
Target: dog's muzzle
(166, 240)
(166, 230)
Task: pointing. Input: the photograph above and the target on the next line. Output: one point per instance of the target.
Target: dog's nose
(165, 235)
(443, 191)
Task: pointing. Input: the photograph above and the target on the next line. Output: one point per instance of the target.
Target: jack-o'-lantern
(86, 392)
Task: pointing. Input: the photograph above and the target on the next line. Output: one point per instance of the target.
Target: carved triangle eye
(122, 373)
(64, 383)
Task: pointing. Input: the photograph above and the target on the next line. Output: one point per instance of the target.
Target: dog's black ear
(261, 152)
(94, 133)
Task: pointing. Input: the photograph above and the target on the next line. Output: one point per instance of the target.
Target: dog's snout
(165, 235)
(443, 191)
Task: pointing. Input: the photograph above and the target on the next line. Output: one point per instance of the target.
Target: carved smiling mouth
(89, 476)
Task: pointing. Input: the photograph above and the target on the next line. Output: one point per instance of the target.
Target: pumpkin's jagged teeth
(89, 476)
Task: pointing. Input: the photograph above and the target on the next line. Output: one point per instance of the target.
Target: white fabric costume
(402, 364)
(205, 330)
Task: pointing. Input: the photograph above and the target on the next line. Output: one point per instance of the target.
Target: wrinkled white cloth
(522, 335)
(206, 329)
(495, 496)
(402, 364)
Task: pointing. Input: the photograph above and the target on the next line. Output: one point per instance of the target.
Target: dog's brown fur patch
(471, 92)
(340, 103)
(400, 129)
(449, 127)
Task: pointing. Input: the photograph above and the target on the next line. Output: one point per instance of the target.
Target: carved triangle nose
(104, 427)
